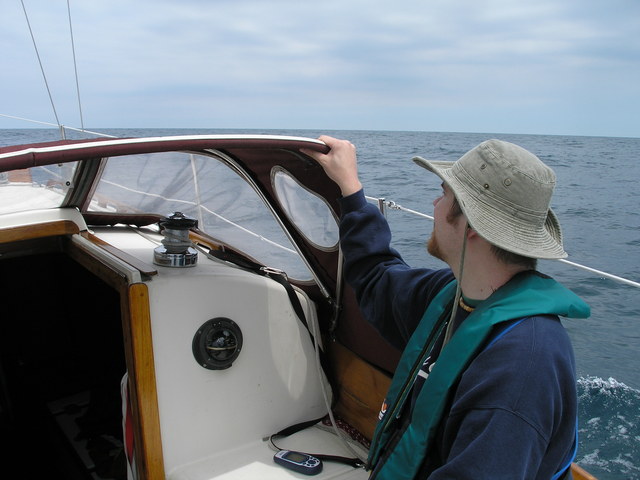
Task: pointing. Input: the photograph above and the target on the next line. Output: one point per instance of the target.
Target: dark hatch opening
(61, 362)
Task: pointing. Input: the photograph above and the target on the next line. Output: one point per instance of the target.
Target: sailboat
(174, 309)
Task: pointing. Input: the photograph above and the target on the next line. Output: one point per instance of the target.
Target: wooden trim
(40, 230)
(139, 265)
(361, 389)
(142, 383)
(106, 273)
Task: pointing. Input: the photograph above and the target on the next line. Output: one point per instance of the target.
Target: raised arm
(340, 164)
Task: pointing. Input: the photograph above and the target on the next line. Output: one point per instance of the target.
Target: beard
(433, 247)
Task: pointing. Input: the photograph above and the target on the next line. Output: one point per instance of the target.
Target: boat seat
(255, 460)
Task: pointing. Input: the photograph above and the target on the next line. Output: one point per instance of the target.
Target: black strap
(280, 277)
(353, 462)
(277, 275)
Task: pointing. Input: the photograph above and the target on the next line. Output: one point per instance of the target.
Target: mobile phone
(298, 462)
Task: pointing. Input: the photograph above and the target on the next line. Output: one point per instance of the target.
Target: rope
(394, 206)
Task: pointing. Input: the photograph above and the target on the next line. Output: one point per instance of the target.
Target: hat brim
(498, 227)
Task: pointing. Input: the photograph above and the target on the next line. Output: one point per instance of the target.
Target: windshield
(206, 189)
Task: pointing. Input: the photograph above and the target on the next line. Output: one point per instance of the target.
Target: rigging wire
(383, 204)
(75, 65)
(381, 201)
(44, 76)
(600, 272)
(99, 134)
(33, 39)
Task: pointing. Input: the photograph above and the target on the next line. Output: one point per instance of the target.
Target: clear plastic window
(204, 188)
(35, 188)
(309, 212)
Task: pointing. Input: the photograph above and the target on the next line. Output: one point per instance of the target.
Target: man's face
(445, 242)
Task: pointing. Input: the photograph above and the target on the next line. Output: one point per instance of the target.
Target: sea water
(598, 203)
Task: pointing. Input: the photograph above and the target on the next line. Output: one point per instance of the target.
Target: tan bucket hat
(505, 192)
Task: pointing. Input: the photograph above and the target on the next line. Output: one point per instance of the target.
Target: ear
(471, 233)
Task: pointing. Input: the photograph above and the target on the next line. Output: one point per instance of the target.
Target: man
(485, 387)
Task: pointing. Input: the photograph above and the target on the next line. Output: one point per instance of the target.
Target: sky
(559, 67)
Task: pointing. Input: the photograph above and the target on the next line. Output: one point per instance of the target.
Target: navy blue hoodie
(513, 414)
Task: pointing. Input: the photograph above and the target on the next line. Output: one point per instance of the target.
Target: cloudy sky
(493, 66)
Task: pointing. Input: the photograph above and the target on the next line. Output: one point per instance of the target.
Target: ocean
(598, 204)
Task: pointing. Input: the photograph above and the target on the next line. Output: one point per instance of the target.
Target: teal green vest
(525, 295)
